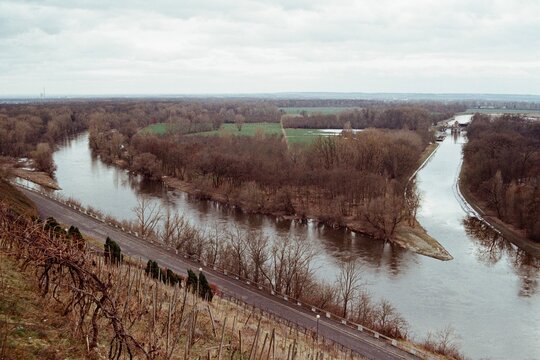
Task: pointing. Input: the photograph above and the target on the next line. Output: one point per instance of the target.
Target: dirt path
(284, 132)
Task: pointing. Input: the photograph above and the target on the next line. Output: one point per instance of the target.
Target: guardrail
(338, 320)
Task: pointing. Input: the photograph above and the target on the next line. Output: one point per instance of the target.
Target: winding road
(361, 342)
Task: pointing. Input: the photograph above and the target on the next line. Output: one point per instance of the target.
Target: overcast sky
(77, 47)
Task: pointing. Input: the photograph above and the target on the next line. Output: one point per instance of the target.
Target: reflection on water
(492, 247)
(488, 293)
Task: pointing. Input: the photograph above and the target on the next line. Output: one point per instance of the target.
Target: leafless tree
(239, 120)
(257, 247)
(214, 243)
(348, 282)
(148, 216)
(291, 264)
(172, 227)
(236, 239)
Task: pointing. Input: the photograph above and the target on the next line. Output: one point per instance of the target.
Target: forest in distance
(502, 169)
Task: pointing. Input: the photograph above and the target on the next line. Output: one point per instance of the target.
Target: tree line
(403, 117)
(502, 168)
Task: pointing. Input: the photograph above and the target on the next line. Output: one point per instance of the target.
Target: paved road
(361, 342)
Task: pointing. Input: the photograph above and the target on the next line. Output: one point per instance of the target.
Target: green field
(156, 129)
(248, 129)
(313, 110)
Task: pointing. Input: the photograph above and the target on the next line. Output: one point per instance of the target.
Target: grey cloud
(230, 46)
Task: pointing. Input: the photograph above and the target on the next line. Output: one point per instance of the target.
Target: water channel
(489, 293)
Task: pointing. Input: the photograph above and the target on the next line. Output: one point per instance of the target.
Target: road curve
(360, 342)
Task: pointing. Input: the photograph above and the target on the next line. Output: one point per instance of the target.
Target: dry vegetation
(502, 169)
(119, 312)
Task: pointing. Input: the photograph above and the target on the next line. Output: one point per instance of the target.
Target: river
(488, 294)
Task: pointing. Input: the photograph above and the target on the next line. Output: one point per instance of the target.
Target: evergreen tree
(112, 251)
(75, 236)
(192, 281)
(53, 227)
(205, 291)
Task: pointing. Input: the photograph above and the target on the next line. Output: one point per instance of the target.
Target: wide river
(488, 294)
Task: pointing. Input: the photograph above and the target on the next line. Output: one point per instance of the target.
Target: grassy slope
(28, 329)
(16, 200)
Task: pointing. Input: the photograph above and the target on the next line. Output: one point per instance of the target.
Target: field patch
(156, 129)
(248, 129)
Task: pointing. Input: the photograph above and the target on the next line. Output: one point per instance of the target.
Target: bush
(112, 252)
(53, 227)
(167, 276)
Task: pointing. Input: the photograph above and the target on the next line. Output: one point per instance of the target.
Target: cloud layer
(199, 46)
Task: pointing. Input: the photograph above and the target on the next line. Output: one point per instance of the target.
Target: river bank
(509, 232)
(22, 168)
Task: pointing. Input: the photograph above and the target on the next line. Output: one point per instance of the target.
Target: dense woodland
(502, 168)
(357, 178)
(32, 131)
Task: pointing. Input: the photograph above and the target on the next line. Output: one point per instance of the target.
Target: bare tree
(348, 282)
(412, 203)
(385, 213)
(257, 247)
(148, 216)
(43, 158)
(239, 120)
(214, 243)
(291, 264)
(237, 245)
(173, 227)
